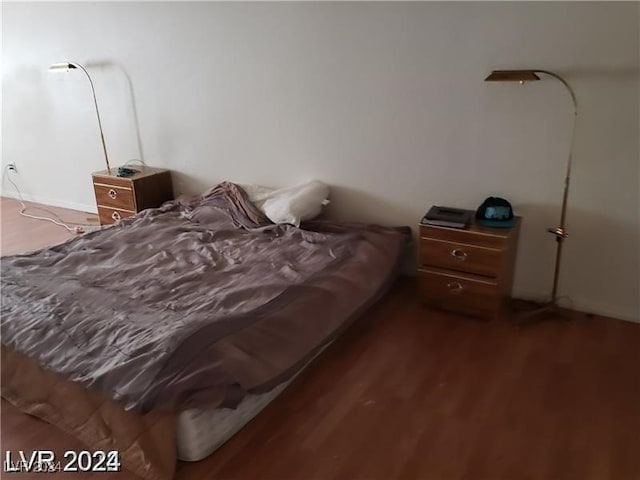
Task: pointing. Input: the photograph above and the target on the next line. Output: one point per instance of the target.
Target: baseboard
(53, 202)
(582, 305)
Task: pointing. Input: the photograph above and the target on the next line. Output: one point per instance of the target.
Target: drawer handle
(112, 194)
(455, 287)
(459, 254)
(116, 216)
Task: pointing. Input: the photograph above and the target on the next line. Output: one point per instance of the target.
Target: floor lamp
(560, 232)
(65, 67)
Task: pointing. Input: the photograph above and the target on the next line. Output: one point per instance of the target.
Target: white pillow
(257, 193)
(290, 205)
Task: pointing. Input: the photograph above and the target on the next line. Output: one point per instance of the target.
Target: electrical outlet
(12, 167)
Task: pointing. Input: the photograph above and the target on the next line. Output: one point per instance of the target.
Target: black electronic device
(126, 172)
(448, 217)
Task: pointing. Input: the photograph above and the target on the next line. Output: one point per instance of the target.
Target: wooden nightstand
(121, 197)
(468, 271)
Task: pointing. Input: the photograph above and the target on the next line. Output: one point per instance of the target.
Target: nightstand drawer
(476, 235)
(109, 215)
(460, 256)
(114, 196)
(462, 293)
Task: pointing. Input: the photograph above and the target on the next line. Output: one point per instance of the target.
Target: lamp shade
(59, 67)
(512, 76)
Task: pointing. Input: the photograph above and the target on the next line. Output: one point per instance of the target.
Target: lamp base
(544, 311)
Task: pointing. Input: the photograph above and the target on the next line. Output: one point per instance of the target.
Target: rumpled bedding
(196, 302)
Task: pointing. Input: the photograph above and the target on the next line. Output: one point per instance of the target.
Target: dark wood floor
(413, 393)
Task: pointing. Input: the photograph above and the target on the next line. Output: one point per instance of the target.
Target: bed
(186, 318)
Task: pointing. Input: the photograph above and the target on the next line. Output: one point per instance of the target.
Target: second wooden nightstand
(121, 197)
(468, 271)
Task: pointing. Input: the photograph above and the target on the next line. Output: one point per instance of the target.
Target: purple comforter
(194, 302)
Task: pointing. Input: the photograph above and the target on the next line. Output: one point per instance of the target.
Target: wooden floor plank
(413, 393)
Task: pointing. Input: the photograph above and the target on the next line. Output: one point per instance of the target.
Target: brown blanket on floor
(145, 443)
(196, 302)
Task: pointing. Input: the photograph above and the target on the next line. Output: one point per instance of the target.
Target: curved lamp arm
(66, 67)
(566, 84)
(561, 230)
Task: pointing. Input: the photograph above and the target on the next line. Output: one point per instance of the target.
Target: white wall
(384, 101)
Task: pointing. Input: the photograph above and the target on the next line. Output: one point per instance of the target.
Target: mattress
(210, 306)
(201, 431)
